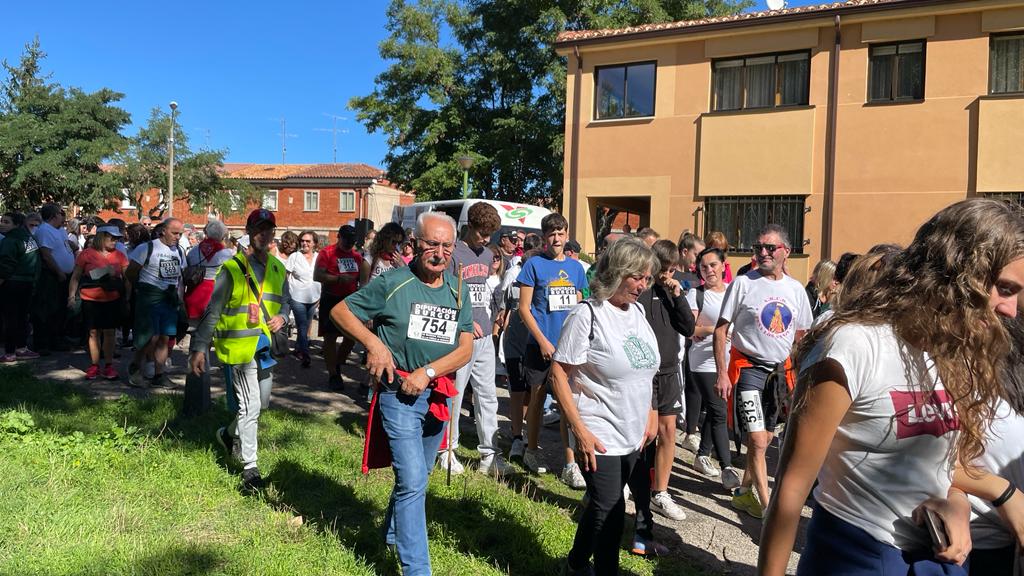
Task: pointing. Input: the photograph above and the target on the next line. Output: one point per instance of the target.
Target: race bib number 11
(432, 323)
(561, 298)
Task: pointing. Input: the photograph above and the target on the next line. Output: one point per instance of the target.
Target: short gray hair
(778, 231)
(215, 229)
(421, 221)
(624, 257)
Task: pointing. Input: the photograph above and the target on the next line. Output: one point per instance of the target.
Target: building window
(270, 200)
(1012, 197)
(763, 81)
(896, 72)
(740, 218)
(347, 201)
(625, 91)
(311, 201)
(127, 202)
(1006, 64)
(234, 200)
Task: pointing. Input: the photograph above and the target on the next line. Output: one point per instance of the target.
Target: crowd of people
(893, 376)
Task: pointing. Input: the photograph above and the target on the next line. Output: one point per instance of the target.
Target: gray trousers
(251, 395)
(479, 370)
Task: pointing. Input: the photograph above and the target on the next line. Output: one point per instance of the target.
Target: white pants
(252, 396)
(480, 370)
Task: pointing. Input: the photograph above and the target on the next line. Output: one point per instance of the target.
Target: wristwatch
(431, 373)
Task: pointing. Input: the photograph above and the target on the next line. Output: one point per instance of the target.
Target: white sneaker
(442, 463)
(533, 462)
(706, 466)
(730, 478)
(692, 442)
(492, 464)
(551, 418)
(663, 502)
(518, 449)
(572, 477)
(626, 493)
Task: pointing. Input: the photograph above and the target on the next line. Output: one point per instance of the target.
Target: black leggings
(715, 430)
(695, 402)
(600, 528)
(17, 300)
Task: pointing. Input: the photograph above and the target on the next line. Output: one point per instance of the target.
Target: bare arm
(587, 445)
(989, 487)
(809, 434)
(724, 384)
(526, 314)
(76, 276)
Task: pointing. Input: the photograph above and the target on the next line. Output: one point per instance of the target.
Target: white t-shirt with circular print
(611, 383)
(766, 315)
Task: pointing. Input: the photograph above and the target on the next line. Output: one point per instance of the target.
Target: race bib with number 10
(433, 323)
(478, 295)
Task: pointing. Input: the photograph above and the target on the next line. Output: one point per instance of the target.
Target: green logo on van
(518, 213)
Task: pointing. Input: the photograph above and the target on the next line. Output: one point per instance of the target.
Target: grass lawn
(124, 487)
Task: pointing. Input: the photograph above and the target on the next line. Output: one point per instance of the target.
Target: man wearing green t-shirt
(422, 331)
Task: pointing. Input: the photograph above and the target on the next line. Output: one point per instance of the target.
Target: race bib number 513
(433, 323)
(561, 298)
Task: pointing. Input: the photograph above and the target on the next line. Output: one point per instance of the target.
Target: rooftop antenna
(776, 4)
(284, 139)
(334, 131)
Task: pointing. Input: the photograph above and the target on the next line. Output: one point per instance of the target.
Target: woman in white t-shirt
(304, 292)
(897, 388)
(604, 364)
(701, 356)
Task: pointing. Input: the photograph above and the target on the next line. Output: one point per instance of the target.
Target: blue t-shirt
(555, 285)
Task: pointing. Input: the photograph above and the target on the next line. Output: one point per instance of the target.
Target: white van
(513, 216)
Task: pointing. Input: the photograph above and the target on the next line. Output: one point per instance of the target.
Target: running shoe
(518, 449)
(229, 443)
(730, 478)
(745, 500)
(251, 480)
(645, 547)
(572, 477)
(663, 503)
(306, 360)
(492, 465)
(626, 493)
(110, 373)
(93, 372)
(135, 378)
(706, 466)
(442, 462)
(161, 380)
(551, 417)
(533, 462)
(692, 442)
(8, 358)
(25, 354)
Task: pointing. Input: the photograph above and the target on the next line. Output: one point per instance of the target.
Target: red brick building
(318, 197)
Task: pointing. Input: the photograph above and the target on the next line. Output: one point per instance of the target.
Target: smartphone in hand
(936, 529)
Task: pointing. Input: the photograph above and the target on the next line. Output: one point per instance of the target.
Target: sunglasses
(770, 248)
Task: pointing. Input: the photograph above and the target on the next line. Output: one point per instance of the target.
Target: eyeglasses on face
(770, 248)
(434, 245)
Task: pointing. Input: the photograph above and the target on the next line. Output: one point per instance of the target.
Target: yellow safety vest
(234, 337)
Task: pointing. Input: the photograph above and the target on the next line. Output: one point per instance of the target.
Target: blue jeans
(414, 436)
(303, 317)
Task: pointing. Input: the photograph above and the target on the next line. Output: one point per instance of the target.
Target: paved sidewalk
(714, 535)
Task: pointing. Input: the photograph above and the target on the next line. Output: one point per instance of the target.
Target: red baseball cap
(259, 218)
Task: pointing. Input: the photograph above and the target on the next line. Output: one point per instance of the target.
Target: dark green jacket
(19, 257)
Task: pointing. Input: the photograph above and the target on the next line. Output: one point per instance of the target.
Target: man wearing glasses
(768, 311)
(422, 332)
(510, 246)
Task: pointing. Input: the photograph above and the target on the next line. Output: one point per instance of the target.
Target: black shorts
(667, 393)
(535, 367)
(757, 408)
(325, 326)
(516, 375)
(101, 315)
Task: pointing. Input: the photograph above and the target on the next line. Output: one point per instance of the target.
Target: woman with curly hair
(895, 392)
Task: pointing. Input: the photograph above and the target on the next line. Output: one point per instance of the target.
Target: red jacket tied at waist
(737, 362)
(376, 451)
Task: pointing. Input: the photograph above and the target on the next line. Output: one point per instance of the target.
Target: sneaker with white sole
(442, 463)
(692, 442)
(626, 493)
(518, 449)
(533, 461)
(663, 503)
(492, 465)
(551, 418)
(706, 466)
(730, 478)
(572, 477)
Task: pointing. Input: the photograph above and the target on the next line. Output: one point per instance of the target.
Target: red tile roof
(286, 171)
(570, 36)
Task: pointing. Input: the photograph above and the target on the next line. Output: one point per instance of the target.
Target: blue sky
(234, 68)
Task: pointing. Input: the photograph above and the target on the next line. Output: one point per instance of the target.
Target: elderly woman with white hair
(202, 263)
(604, 365)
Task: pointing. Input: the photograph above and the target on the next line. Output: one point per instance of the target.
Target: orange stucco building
(848, 123)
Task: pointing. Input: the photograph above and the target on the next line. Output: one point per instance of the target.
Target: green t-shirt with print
(417, 323)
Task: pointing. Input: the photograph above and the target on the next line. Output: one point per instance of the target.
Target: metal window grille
(740, 218)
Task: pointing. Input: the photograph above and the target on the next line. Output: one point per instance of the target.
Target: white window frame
(235, 200)
(341, 200)
(127, 200)
(266, 205)
(305, 201)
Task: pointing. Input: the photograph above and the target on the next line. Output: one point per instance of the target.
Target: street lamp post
(170, 163)
(466, 161)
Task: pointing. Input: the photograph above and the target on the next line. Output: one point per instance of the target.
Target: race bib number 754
(433, 323)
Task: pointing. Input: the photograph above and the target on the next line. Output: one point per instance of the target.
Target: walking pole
(451, 413)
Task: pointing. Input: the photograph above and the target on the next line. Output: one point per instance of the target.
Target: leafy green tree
(142, 166)
(53, 140)
(482, 77)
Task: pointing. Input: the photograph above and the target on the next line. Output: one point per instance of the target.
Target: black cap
(347, 232)
(573, 246)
